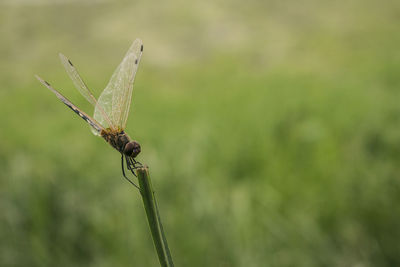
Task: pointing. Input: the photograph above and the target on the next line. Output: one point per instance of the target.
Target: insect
(112, 108)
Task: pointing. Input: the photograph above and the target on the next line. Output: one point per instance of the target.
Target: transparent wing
(92, 122)
(84, 90)
(115, 100)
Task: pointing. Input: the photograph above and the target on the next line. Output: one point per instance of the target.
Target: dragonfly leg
(137, 162)
(130, 165)
(122, 165)
(134, 163)
(123, 172)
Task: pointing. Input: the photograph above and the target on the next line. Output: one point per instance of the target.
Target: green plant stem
(153, 217)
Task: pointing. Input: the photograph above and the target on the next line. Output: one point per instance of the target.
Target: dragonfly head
(132, 149)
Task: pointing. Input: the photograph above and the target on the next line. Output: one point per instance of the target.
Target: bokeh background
(271, 129)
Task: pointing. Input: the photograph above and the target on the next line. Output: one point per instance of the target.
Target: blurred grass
(272, 131)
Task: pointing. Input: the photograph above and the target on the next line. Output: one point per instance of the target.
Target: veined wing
(85, 91)
(116, 98)
(92, 122)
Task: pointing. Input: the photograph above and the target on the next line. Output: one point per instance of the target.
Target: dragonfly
(111, 109)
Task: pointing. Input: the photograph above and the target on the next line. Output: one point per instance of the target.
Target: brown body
(121, 142)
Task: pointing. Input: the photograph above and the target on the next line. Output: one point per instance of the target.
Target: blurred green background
(271, 128)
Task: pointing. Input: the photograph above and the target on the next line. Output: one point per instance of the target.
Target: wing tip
(65, 59)
(139, 41)
(41, 80)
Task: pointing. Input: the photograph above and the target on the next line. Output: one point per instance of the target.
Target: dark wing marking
(92, 122)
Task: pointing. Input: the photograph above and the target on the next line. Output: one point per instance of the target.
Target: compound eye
(128, 150)
(132, 149)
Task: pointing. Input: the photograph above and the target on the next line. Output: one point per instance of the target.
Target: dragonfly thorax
(121, 142)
